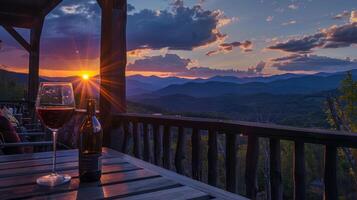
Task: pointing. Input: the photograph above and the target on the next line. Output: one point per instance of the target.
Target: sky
(200, 38)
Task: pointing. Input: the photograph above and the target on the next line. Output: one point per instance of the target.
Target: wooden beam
(50, 6)
(18, 38)
(34, 64)
(16, 21)
(112, 63)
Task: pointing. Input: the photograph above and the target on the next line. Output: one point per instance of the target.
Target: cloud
(332, 37)
(167, 63)
(291, 22)
(269, 18)
(177, 66)
(344, 15)
(182, 28)
(245, 46)
(353, 17)
(301, 45)
(340, 36)
(293, 7)
(298, 62)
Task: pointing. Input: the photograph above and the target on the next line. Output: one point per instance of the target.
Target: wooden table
(123, 177)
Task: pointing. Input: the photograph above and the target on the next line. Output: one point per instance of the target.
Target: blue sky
(201, 38)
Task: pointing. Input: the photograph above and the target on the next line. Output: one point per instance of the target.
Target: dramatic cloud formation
(245, 46)
(167, 63)
(183, 28)
(72, 30)
(298, 62)
(332, 37)
(178, 66)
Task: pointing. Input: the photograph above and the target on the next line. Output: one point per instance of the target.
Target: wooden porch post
(34, 63)
(112, 62)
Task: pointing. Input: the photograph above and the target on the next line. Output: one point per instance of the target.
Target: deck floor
(124, 177)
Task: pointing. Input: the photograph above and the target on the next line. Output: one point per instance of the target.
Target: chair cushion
(9, 136)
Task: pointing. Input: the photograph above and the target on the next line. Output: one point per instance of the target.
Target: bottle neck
(91, 107)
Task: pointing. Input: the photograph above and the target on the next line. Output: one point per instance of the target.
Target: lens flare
(85, 76)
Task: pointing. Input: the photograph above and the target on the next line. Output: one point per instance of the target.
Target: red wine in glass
(55, 117)
(55, 106)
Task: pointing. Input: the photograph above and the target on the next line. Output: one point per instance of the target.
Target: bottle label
(90, 163)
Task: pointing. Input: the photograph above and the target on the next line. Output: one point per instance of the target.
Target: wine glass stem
(54, 135)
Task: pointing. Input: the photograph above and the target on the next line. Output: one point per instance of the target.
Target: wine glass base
(53, 179)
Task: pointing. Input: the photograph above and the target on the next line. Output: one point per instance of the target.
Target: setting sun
(85, 76)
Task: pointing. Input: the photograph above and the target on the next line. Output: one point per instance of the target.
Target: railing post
(252, 166)
(126, 136)
(147, 152)
(212, 157)
(299, 171)
(231, 162)
(180, 151)
(167, 147)
(275, 170)
(157, 144)
(136, 138)
(330, 178)
(196, 154)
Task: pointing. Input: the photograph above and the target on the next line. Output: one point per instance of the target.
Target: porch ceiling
(24, 13)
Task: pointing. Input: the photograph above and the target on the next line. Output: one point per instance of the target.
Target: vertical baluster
(275, 170)
(136, 137)
(126, 136)
(231, 162)
(212, 157)
(299, 171)
(252, 166)
(167, 147)
(196, 154)
(157, 144)
(330, 178)
(180, 151)
(147, 152)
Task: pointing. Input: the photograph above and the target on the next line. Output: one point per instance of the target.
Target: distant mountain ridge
(306, 84)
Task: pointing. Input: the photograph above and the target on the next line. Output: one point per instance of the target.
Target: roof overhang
(25, 13)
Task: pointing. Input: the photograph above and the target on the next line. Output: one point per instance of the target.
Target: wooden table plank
(179, 193)
(213, 191)
(32, 156)
(124, 177)
(9, 182)
(42, 161)
(48, 168)
(116, 190)
(107, 181)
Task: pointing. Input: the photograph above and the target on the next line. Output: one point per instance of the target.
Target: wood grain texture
(122, 177)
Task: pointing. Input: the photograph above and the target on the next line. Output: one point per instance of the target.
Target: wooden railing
(151, 134)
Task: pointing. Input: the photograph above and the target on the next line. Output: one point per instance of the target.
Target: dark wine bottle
(90, 146)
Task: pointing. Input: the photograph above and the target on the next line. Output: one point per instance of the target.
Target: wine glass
(55, 106)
